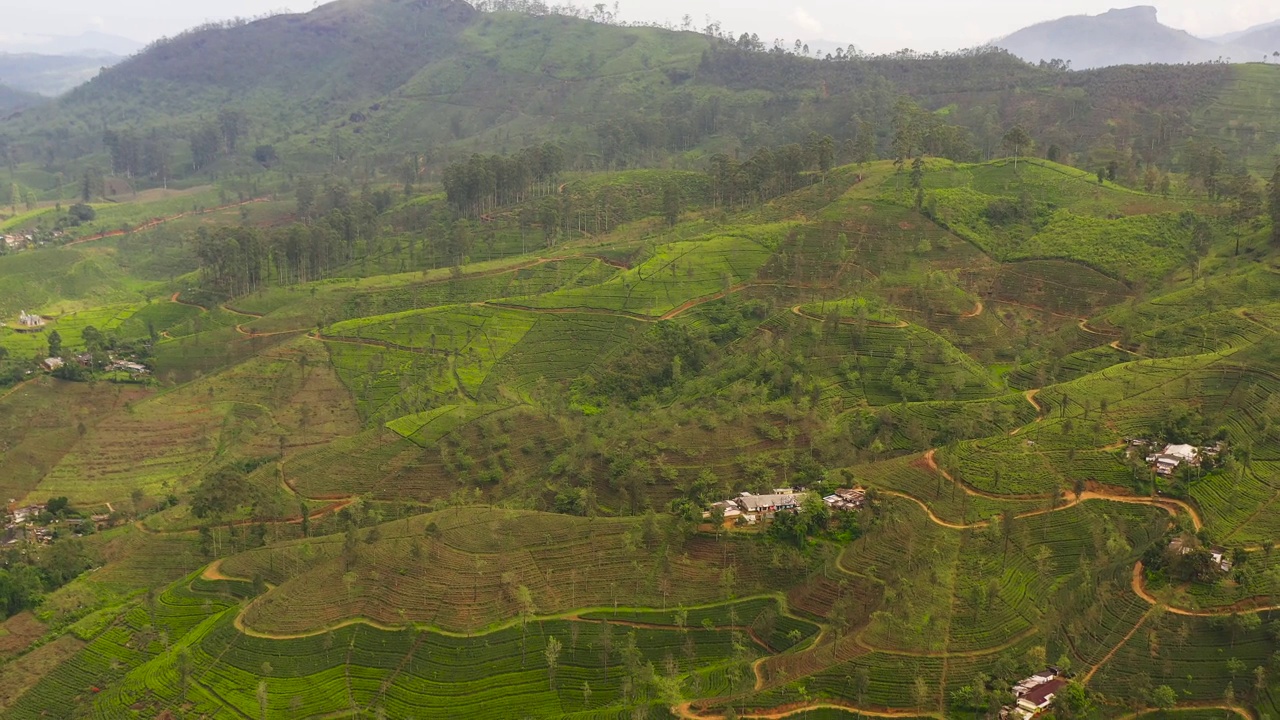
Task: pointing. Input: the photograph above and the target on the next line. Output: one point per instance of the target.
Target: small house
(767, 505)
(1219, 555)
(1039, 698)
(1220, 559)
(1167, 462)
(1044, 676)
(52, 363)
(846, 500)
(729, 508)
(28, 323)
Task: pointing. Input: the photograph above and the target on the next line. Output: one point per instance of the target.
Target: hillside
(380, 84)
(1265, 40)
(13, 100)
(400, 359)
(428, 484)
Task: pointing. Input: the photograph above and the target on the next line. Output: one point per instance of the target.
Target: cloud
(806, 22)
(97, 22)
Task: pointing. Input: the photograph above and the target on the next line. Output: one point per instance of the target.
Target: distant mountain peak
(1123, 36)
(1146, 13)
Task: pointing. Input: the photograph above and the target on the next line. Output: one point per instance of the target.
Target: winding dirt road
(686, 712)
(161, 221)
(1244, 606)
(1172, 506)
(799, 310)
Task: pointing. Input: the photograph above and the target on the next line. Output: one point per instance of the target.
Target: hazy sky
(873, 25)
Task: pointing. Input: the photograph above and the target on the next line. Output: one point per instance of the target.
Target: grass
(1123, 234)
(386, 396)
(676, 274)
(565, 562)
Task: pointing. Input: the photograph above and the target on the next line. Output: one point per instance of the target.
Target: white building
(1173, 457)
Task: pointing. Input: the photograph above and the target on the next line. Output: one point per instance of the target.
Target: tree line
(769, 173)
(483, 183)
(334, 228)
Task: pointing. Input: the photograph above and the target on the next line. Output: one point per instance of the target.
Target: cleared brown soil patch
(19, 632)
(18, 677)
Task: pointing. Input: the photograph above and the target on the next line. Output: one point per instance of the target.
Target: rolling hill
(336, 467)
(12, 100)
(451, 301)
(380, 83)
(1265, 40)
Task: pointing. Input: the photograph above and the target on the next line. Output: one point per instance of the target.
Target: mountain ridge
(1124, 36)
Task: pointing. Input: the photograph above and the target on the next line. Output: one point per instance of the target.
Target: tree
(861, 683)
(552, 653)
(55, 344)
(184, 672)
(671, 202)
(825, 149)
(1017, 140)
(1008, 523)
(917, 173)
(864, 147)
(1273, 203)
(220, 493)
(81, 213)
(1164, 698)
(1072, 703)
(262, 699)
(524, 599)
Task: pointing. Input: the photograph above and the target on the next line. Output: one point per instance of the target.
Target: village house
(767, 505)
(730, 509)
(1035, 694)
(846, 500)
(52, 364)
(29, 323)
(26, 514)
(1167, 462)
(1220, 555)
(748, 509)
(1039, 698)
(131, 367)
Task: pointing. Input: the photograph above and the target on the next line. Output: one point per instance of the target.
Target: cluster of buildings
(1035, 695)
(14, 243)
(129, 366)
(1221, 560)
(847, 500)
(749, 509)
(22, 524)
(1171, 458)
(85, 360)
(28, 323)
(27, 240)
